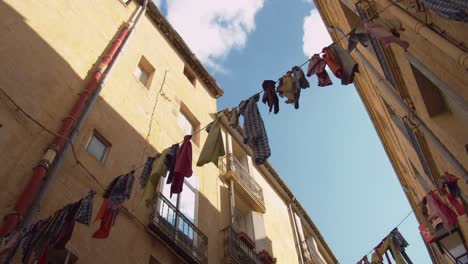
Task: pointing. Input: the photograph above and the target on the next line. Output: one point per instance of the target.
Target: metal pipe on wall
(35, 208)
(57, 146)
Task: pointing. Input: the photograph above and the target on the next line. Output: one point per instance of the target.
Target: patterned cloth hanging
(254, 130)
(146, 172)
(115, 195)
(450, 9)
(46, 235)
(317, 66)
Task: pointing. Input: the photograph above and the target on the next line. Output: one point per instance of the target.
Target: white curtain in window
(185, 124)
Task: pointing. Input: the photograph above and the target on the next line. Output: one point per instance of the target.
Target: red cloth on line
(456, 204)
(183, 165)
(449, 219)
(102, 210)
(332, 62)
(106, 224)
(426, 234)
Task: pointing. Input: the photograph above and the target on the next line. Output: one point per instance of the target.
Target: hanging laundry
(214, 146)
(364, 260)
(450, 9)
(453, 192)
(170, 160)
(299, 77)
(122, 189)
(358, 35)
(159, 170)
(107, 221)
(269, 95)
(438, 210)
(233, 117)
(427, 234)
(146, 172)
(387, 31)
(115, 195)
(330, 58)
(183, 165)
(301, 83)
(382, 248)
(400, 244)
(254, 130)
(340, 63)
(85, 211)
(317, 66)
(46, 235)
(287, 88)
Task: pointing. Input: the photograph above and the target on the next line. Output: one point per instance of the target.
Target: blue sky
(327, 151)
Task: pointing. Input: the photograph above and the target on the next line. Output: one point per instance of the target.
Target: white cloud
(212, 28)
(315, 35)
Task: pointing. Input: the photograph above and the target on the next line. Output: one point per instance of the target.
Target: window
(431, 95)
(186, 202)
(190, 75)
(185, 124)
(188, 123)
(98, 146)
(144, 72)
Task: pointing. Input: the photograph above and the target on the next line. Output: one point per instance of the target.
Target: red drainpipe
(13, 218)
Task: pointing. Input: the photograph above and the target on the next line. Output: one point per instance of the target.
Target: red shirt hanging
(183, 165)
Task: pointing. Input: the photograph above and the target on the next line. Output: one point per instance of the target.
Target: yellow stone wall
(450, 127)
(48, 51)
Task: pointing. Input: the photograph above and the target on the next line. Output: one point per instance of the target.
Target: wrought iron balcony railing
(309, 253)
(237, 251)
(231, 164)
(178, 231)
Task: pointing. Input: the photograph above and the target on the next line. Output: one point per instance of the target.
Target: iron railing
(179, 230)
(237, 250)
(309, 253)
(230, 163)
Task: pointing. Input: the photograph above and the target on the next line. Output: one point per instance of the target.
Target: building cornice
(182, 48)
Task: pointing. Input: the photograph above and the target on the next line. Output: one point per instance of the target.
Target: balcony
(236, 251)
(309, 254)
(177, 231)
(232, 169)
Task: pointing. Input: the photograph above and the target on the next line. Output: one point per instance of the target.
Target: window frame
(101, 139)
(185, 111)
(144, 66)
(190, 75)
(192, 188)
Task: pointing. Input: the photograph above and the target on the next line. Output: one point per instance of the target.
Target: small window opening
(190, 75)
(431, 95)
(98, 147)
(144, 72)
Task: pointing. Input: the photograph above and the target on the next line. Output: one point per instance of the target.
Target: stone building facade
(156, 93)
(417, 99)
